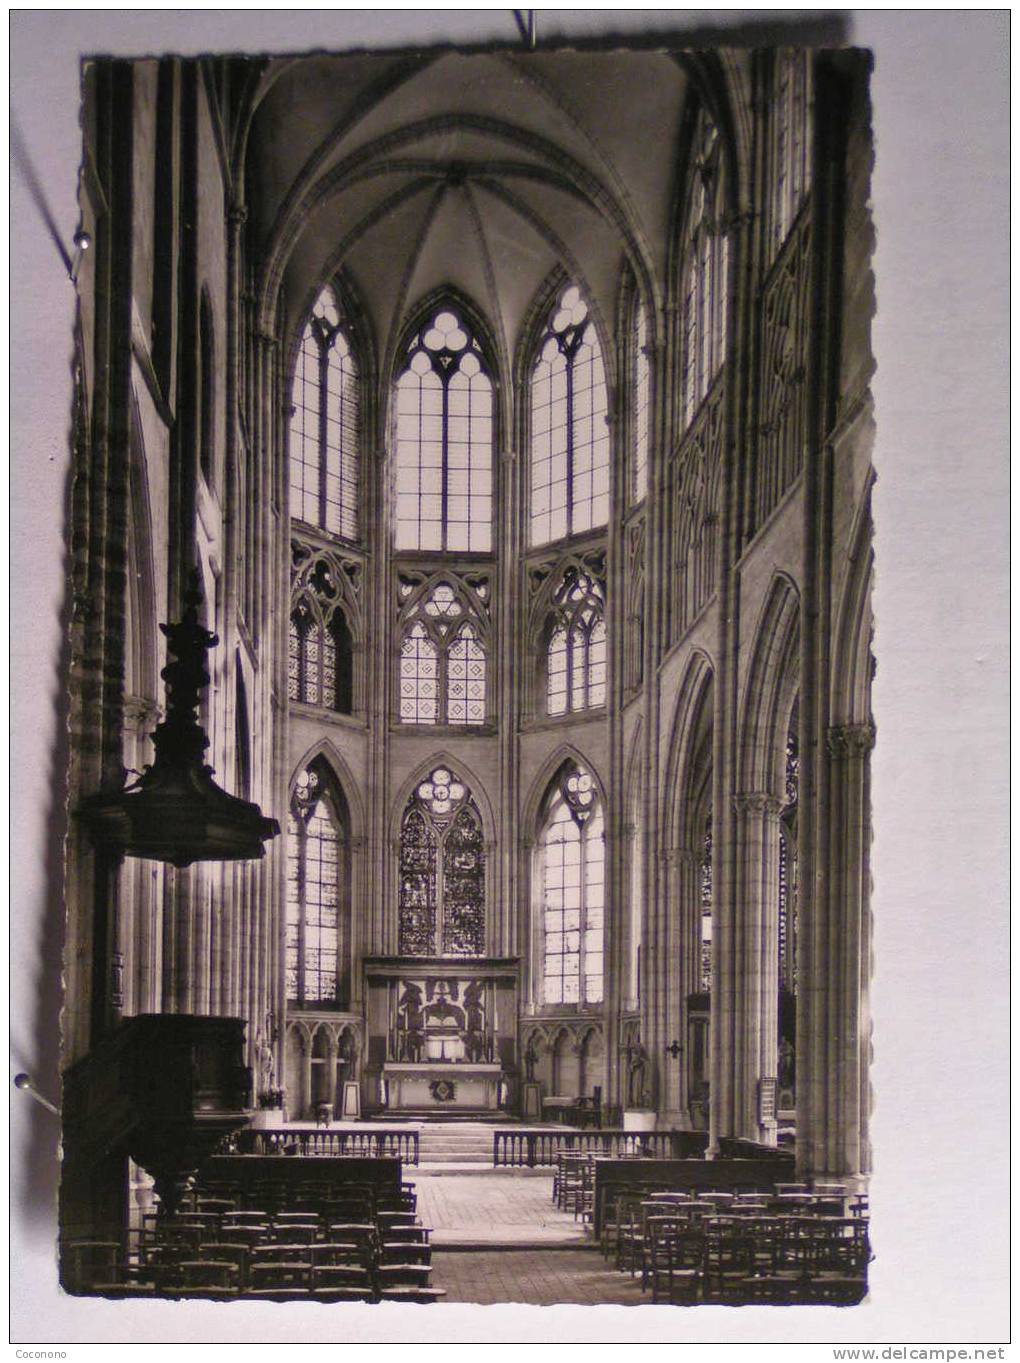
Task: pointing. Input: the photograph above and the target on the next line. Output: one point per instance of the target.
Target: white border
(941, 199)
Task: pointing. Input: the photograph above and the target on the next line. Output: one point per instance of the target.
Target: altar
(443, 1086)
(442, 1033)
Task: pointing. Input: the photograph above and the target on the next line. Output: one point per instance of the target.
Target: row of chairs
(787, 1245)
(349, 1248)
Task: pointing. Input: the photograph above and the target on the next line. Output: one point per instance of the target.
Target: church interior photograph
(469, 675)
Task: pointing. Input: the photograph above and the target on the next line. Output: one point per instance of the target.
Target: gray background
(941, 194)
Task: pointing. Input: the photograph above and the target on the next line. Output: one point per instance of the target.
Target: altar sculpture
(443, 1030)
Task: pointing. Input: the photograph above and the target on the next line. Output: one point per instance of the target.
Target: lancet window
(444, 435)
(443, 652)
(325, 428)
(571, 889)
(704, 280)
(569, 435)
(576, 649)
(318, 872)
(441, 910)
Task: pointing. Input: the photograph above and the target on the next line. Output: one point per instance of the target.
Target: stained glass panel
(441, 907)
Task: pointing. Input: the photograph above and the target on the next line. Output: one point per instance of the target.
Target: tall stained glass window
(325, 426)
(576, 651)
(442, 660)
(441, 910)
(444, 438)
(317, 873)
(569, 435)
(571, 889)
(704, 279)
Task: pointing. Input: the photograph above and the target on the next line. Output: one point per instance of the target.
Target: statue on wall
(637, 1065)
(474, 1013)
(530, 1059)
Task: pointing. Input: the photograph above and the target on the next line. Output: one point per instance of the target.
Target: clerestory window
(569, 434)
(325, 426)
(444, 435)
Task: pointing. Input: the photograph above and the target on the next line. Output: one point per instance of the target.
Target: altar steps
(460, 1142)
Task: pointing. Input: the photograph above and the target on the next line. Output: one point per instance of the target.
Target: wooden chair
(685, 1280)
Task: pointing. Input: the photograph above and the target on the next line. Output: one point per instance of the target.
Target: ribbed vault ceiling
(482, 172)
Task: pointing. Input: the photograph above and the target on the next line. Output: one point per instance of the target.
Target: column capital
(237, 214)
(851, 740)
(268, 339)
(760, 802)
(508, 456)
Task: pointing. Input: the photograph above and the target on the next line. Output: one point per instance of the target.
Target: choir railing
(522, 1147)
(369, 1142)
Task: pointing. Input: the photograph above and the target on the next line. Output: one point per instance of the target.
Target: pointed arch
(445, 758)
(569, 439)
(325, 432)
(445, 429)
(326, 750)
(443, 889)
(770, 690)
(558, 758)
(695, 690)
(317, 940)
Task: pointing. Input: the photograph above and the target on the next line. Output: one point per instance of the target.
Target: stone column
(833, 1041)
(745, 982)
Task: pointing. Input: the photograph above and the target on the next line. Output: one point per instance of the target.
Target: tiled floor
(494, 1208)
(539, 1255)
(536, 1277)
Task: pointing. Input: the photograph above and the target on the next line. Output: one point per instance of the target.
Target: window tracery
(443, 649)
(569, 434)
(318, 868)
(571, 885)
(325, 425)
(325, 592)
(444, 437)
(576, 649)
(441, 909)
